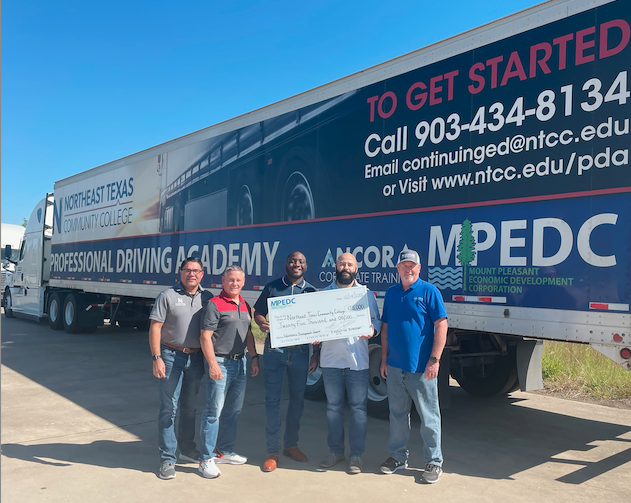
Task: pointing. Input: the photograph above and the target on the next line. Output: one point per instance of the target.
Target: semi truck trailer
(501, 155)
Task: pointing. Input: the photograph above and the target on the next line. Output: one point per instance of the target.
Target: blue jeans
(183, 374)
(403, 389)
(224, 401)
(295, 362)
(355, 382)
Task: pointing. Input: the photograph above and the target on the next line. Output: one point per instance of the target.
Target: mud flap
(529, 354)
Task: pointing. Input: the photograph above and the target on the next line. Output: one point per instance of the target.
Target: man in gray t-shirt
(178, 363)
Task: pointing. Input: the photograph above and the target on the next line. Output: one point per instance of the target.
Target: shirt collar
(178, 288)
(227, 298)
(412, 286)
(356, 283)
(287, 283)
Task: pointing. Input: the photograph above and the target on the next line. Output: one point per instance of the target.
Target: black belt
(238, 356)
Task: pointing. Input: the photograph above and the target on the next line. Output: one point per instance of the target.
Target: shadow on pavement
(108, 374)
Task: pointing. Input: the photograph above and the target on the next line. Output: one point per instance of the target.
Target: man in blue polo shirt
(413, 335)
(277, 361)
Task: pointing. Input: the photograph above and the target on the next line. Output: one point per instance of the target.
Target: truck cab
(24, 295)
(11, 241)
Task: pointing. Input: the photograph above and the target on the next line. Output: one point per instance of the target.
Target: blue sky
(86, 83)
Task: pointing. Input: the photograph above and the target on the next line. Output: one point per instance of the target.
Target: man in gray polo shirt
(225, 335)
(178, 363)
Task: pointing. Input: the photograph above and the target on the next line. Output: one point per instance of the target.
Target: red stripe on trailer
(149, 282)
(215, 285)
(86, 279)
(125, 281)
(69, 277)
(609, 306)
(104, 279)
(258, 287)
(487, 300)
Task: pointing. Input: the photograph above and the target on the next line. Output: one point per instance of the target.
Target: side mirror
(7, 253)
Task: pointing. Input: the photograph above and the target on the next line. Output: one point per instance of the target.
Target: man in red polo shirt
(225, 334)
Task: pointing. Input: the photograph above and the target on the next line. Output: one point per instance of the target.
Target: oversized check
(320, 316)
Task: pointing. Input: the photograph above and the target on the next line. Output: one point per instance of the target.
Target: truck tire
(8, 302)
(315, 386)
(498, 377)
(143, 326)
(377, 389)
(55, 309)
(72, 306)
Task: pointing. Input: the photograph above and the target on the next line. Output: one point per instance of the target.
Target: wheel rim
(69, 313)
(53, 311)
(377, 387)
(314, 377)
(297, 202)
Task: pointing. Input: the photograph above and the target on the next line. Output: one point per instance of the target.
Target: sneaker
(188, 458)
(167, 470)
(331, 460)
(209, 469)
(391, 465)
(230, 458)
(356, 465)
(432, 473)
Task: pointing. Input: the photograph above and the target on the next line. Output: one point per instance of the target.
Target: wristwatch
(433, 359)
(156, 357)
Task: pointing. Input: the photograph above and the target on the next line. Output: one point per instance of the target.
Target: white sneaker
(230, 458)
(209, 469)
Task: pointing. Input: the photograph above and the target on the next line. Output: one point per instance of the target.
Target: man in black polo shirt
(293, 360)
(224, 336)
(178, 362)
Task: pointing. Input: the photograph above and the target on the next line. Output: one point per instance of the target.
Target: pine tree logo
(466, 249)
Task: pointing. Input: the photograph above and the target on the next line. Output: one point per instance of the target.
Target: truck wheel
(143, 326)
(55, 307)
(8, 303)
(495, 378)
(71, 314)
(315, 386)
(377, 389)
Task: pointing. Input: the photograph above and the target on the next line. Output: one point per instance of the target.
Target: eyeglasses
(191, 271)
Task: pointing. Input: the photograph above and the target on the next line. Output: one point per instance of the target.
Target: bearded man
(344, 365)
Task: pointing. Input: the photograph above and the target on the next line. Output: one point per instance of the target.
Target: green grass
(577, 370)
(256, 331)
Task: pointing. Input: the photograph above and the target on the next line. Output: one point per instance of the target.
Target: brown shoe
(295, 454)
(270, 463)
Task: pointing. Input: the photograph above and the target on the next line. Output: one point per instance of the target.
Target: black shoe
(391, 465)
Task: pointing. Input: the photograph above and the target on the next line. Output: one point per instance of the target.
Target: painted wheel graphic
(245, 206)
(297, 199)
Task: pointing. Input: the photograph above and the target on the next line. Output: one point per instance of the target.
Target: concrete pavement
(79, 424)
